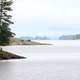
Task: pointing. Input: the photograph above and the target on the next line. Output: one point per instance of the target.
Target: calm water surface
(42, 63)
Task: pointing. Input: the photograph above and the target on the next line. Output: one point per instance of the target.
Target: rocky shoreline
(15, 41)
(4, 55)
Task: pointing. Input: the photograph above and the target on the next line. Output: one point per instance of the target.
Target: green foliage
(77, 37)
(5, 31)
(6, 7)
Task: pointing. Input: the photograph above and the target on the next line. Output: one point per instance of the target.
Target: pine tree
(5, 21)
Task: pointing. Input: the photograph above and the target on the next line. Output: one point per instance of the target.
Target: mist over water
(60, 61)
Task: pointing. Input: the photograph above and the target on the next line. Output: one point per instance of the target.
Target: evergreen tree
(5, 31)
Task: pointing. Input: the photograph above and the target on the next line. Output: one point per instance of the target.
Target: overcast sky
(46, 17)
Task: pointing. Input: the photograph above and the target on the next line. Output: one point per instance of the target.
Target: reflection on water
(5, 70)
(39, 70)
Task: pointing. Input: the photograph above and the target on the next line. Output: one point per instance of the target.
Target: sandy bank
(15, 41)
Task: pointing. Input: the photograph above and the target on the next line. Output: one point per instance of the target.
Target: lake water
(60, 61)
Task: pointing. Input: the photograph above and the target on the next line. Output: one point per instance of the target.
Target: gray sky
(46, 17)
